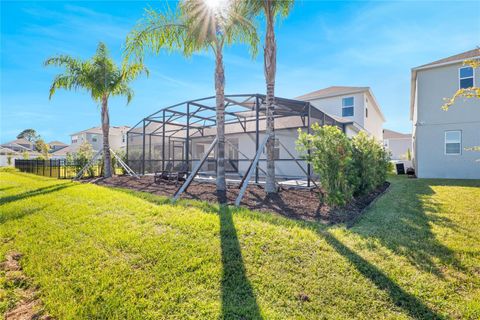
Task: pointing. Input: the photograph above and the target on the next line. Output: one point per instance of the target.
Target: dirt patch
(29, 306)
(300, 204)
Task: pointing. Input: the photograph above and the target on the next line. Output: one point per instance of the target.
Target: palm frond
(154, 32)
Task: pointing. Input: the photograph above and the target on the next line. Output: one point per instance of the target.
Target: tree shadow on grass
(238, 298)
(402, 221)
(404, 300)
(35, 192)
(19, 214)
(163, 200)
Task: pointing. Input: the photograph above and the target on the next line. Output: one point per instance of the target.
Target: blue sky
(320, 44)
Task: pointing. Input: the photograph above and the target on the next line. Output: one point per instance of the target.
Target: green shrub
(371, 161)
(346, 167)
(331, 158)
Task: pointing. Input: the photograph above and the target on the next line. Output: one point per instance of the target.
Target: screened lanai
(182, 134)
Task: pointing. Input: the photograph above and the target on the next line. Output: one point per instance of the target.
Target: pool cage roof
(182, 122)
(194, 118)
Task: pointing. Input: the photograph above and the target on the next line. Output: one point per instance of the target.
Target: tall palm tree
(103, 79)
(270, 9)
(198, 25)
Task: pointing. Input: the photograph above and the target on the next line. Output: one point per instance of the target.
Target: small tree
(28, 134)
(370, 161)
(331, 157)
(25, 155)
(9, 158)
(83, 156)
(43, 148)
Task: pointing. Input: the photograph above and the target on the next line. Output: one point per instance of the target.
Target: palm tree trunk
(107, 161)
(270, 65)
(220, 104)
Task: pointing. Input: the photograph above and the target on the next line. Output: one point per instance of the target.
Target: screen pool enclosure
(184, 135)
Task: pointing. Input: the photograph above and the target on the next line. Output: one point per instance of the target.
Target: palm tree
(198, 25)
(270, 9)
(103, 79)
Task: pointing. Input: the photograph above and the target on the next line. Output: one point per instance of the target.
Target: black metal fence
(56, 168)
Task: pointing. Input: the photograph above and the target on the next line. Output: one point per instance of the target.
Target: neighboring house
(440, 137)
(7, 153)
(56, 145)
(355, 105)
(19, 145)
(94, 136)
(62, 153)
(397, 143)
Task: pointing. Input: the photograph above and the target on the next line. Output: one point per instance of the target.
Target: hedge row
(347, 167)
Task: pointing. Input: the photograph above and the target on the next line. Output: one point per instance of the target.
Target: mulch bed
(300, 204)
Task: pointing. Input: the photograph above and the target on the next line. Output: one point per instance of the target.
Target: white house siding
(433, 85)
(399, 147)
(246, 144)
(333, 106)
(373, 123)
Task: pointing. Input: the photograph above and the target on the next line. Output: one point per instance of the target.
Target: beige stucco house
(94, 136)
(440, 138)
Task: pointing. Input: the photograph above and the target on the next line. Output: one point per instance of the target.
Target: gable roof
(8, 151)
(334, 91)
(457, 58)
(57, 143)
(390, 134)
(331, 92)
(98, 130)
(20, 141)
(15, 145)
(64, 151)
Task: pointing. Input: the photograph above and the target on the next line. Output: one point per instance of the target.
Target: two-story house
(94, 136)
(356, 105)
(441, 138)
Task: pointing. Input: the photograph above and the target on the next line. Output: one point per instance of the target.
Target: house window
(347, 107)
(366, 112)
(465, 77)
(453, 142)
(124, 138)
(94, 138)
(74, 139)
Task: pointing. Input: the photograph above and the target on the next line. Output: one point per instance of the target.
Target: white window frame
(460, 77)
(352, 106)
(445, 143)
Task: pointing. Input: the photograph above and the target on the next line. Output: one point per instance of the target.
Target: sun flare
(213, 4)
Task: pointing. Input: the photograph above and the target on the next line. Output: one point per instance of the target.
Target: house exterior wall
(373, 123)
(398, 147)
(117, 141)
(246, 144)
(431, 122)
(333, 106)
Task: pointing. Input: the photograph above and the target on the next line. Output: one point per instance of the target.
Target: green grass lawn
(99, 253)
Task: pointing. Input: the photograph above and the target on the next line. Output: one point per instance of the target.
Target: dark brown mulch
(300, 204)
